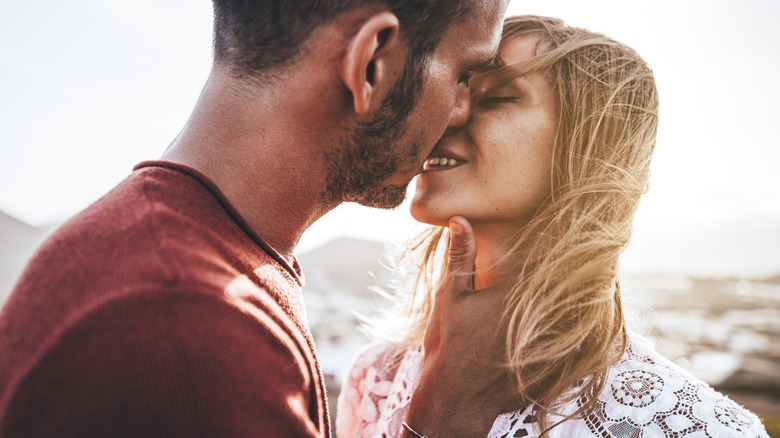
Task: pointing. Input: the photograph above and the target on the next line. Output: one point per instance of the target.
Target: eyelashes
(495, 101)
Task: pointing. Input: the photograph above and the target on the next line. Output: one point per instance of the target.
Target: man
(172, 307)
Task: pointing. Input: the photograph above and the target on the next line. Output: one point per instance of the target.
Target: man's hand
(464, 384)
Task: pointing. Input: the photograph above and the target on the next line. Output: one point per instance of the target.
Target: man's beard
(371, 152)
(358, 174)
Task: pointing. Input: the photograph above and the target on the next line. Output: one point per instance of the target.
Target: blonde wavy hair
(564, 313)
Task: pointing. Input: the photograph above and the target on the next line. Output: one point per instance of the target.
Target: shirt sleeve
(158, 365)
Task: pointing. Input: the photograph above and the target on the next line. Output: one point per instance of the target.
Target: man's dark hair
(253, 36)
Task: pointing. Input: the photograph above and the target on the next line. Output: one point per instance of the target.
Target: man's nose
(461, 111)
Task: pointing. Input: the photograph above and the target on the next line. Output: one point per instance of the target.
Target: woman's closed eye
(496, 101)
(515, 92)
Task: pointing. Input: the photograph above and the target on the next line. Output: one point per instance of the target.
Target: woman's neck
(492, 263)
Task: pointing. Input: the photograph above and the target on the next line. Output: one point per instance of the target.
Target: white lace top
(646, 395)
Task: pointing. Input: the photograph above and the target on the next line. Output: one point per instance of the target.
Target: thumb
(463, 253)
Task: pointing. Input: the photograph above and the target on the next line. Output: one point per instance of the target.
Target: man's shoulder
(113, 238)
(149, 224)
(130, 209)
(123, 243)
(148, 201)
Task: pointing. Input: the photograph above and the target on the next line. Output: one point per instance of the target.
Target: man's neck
(264, 156)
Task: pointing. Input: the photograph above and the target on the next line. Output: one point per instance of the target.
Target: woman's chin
(430, 216)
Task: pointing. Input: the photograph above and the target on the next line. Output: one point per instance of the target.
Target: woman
(549, 171)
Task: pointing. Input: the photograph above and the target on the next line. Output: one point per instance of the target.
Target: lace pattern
(376, 396)
(646, 395)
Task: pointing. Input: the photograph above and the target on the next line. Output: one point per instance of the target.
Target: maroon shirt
(157, 311)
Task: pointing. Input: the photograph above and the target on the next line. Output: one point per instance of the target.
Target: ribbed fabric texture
(155, 312)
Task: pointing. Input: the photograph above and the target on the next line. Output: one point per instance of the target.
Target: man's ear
(364, 65)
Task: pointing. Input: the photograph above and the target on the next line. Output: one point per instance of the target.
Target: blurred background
(89, 88)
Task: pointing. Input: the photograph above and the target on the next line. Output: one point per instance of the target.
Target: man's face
(380, 157)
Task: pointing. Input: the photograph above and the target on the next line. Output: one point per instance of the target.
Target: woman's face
(496, 170)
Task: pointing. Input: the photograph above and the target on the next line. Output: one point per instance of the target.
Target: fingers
(463, 252)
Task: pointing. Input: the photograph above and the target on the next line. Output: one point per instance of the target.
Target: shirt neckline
(294, 269)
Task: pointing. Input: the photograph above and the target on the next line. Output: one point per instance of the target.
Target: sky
(89, 88)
